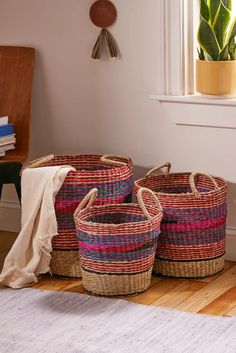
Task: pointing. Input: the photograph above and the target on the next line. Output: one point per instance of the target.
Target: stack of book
(7, 136)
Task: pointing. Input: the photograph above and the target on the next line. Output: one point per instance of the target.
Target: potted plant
(216, 67)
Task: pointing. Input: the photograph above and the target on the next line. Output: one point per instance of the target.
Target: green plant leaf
(201, 55)
(228, 4)
(232, 31)
(220, 24)
(213, 6)
(204, 10)
(207, 40)
(224, 54)
(232, 49)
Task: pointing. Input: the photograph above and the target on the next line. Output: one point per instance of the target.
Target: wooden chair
(16, 78)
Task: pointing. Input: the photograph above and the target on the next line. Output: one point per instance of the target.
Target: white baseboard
(10, 215)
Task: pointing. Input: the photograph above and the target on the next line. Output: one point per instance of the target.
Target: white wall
(84, 105)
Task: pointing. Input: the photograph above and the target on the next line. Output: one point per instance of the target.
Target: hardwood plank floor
(213, 295)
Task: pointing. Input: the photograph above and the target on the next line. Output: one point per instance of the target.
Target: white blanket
(30, 254)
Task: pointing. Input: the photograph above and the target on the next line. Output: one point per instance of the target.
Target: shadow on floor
(6, 241)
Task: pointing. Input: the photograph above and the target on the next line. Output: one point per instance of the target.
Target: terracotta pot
(216, 77)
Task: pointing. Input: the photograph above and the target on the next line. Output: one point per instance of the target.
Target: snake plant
(217, 30)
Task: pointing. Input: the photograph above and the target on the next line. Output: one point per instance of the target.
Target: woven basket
(117, 244)
(192, 239)
(112, 175)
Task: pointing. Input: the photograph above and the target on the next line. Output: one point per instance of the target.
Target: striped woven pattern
(192, 239)
(116, 243)
(114, 182)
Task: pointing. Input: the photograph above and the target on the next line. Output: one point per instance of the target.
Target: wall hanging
(103, 14)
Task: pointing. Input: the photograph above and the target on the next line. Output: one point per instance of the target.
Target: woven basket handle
(153, 171)
(88, 200)
(142, 204)
(108, 159)
(192, 182)
(37, 162)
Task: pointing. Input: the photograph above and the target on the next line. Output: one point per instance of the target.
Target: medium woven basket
(192, 239)
(113, 177)
(117, 244)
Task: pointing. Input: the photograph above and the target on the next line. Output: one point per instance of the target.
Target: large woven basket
(113, 177)
(192, 239)
(117, 244)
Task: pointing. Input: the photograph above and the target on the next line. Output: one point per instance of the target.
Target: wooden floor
(214, 295)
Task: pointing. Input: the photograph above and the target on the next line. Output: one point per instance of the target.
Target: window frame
(177, 38)
(178, 33)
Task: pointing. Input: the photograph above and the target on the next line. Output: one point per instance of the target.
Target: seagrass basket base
(105, 284)
(188, 269)
(65, 263)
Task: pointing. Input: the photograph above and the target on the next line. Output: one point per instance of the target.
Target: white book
(7, 138)
(7, 148)
(3, 120)
(7, 142)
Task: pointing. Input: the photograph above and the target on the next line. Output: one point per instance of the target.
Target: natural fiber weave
(192, 239)
(117, 244)
(190, 269)
(104, 284)
(65, 262)
(112, 175)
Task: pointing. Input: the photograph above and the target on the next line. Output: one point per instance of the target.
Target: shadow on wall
(140, 172)
(41, 143)
(231, 205)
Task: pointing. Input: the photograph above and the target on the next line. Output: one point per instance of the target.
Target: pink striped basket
(117, 244)
(112, 175)
(192, 239)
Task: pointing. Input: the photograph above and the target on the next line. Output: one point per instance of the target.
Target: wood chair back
(16, 80)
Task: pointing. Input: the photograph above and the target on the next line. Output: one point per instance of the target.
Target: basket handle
(37, 162)
(166, 165)
(142, 204)
(192, 182)
(107, 158)
(88, 199)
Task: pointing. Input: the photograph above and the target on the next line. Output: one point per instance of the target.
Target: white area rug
(57, 322)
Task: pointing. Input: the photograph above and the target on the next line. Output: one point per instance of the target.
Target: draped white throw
(30, 254)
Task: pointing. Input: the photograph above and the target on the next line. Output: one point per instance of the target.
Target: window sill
(195, 99)
(199, 111)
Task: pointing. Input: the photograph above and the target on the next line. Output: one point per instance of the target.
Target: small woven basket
(112, 175)
(117, 244)
(192, 239)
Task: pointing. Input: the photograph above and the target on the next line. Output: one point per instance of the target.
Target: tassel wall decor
(103, 14)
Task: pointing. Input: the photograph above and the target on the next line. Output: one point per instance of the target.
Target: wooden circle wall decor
(103, 14)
